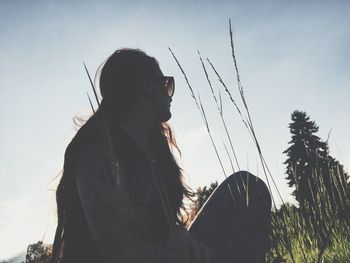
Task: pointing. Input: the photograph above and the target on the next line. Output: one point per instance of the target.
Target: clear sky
(291, 54)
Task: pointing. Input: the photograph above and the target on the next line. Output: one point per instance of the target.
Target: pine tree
(306, 154)
(319, 179)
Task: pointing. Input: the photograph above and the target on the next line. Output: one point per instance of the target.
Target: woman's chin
(166, 116)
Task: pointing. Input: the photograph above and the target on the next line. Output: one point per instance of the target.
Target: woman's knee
(248, 188)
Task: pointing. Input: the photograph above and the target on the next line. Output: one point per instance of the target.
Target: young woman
(121, 193)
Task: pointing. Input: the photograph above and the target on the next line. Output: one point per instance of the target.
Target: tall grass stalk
(253, 133)
(204, 118)
(220, 111)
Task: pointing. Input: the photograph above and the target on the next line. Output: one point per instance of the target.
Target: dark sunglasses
(169, 85)
(166, 82)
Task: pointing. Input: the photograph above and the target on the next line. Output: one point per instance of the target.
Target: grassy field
(293, 240)
(319, 233)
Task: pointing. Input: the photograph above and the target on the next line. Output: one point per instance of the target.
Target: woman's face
(160, 100)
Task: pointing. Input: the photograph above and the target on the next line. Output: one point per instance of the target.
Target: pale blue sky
(291, 54)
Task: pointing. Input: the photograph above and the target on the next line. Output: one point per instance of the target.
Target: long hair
(119, 82)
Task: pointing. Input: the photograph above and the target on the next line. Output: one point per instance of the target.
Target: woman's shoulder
(93, 155)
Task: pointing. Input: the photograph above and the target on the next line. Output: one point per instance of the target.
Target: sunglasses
(169, 85)
(166, 82)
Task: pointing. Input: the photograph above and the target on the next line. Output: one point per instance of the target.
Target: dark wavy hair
(120, 79)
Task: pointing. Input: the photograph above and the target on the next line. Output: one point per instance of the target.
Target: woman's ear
(147, 88)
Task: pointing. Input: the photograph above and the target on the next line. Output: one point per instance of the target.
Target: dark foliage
(316, 176)
(38, 253)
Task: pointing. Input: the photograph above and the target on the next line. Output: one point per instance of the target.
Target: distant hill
(17, 259)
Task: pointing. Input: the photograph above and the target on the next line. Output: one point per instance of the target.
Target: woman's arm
(113, 233)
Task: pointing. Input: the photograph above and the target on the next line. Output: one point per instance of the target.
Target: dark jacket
(79, 245)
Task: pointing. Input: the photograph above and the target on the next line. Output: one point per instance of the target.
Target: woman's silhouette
(121, 194)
